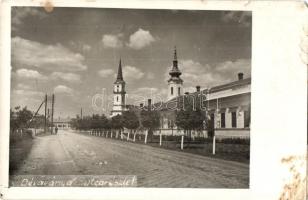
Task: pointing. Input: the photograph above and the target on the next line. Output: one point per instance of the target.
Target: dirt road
(70, 153)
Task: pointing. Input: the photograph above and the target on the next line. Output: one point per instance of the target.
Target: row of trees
(20, 118)
(147, 120)
(187, 120)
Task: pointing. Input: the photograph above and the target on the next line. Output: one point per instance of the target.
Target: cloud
(26, 93)
(48, 57)
(104, 73)
(62, 89)
(131, 73)
(23, 86)
(86, 48)
(69, 77)
(30, 74)
(194, 73)
(21, 13)
(233, 67)
(112, 41)
(241, 17)
(140, 39)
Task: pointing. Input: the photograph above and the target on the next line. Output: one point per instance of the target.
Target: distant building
(119, 94)
(62, 123)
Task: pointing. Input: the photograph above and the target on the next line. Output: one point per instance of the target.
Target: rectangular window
(171, 90)
(233, 120)
(223, 120)
(179, 91)
(246, 119)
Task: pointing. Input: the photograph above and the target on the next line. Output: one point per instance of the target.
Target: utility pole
(45, 122)
(52, 111)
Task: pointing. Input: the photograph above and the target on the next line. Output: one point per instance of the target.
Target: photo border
(279, 80)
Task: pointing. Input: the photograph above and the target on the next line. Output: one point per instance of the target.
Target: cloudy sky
(74, 53)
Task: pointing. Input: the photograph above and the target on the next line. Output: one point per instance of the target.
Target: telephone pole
(45, 122)
(52, 110)
(81, 113)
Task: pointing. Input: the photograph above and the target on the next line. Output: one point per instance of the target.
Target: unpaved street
(70, 153)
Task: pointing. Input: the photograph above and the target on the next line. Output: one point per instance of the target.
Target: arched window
(117, 98)
(171, 90)
(179, 91)
(117, 88)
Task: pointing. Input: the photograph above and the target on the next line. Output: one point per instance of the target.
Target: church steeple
(120, 76)
(175, 83)
(175, 72)
(119, 100)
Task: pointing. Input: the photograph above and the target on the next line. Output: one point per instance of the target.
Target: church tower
(175, 83)
(118, 94)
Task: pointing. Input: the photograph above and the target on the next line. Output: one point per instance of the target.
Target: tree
(85, 123)
(23, 117)
(130, 120)
(13, 121)
(182, 119)
(150, 121)
(95, 121)
(117, 122)
(104, 122)
(190, 120)
(191, 116)
(75, 122)
(197, 119)
(20, 118)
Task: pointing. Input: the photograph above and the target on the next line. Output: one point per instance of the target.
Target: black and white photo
(104, 97)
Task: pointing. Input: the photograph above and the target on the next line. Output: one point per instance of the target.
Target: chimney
(149, 104)
(198, 88)
(240, 76)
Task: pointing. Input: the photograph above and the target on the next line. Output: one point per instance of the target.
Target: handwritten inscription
(74, 181)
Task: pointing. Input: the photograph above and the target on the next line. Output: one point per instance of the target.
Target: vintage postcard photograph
(106, 97)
